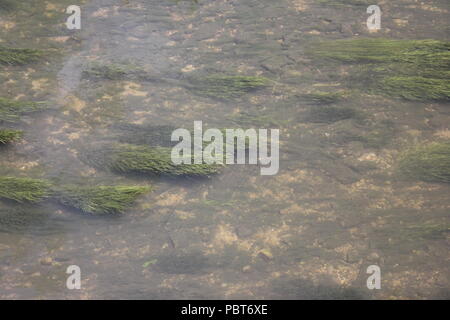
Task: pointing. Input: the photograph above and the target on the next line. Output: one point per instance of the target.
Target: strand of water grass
(92, 199)
(409, 69)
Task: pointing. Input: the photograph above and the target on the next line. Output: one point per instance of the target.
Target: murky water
(310, 231)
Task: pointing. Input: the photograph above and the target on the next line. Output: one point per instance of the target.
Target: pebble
(47, 261)
(373, 256)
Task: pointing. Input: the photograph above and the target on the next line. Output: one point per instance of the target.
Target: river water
(310, 231)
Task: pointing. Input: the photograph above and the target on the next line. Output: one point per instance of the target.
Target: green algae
(18, 56)
(430, 162)
(8, 135)
(11, 110)
(100, 199)
(24, 189)
(136, 159)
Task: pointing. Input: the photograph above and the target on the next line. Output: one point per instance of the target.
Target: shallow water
(308, 232)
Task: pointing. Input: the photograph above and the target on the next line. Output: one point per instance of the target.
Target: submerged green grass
(410, 69)
(11, 110)
(24, 189)
(226, 87)
(18, 57)
(430, 163)
(93, 200)
(100, 199)
(423, 53)
(416, 88)
(135, 159)
(114, 71)
(7, 135)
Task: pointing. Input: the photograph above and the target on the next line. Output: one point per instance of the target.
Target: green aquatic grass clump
(113, 71)
(422, 53)
(94, 200)
(17, 56)
(100, 199)
(7, 135)
(226, 87)
(430, 163)
(11, 110)
(410, 69)
(416, 88)
(330, 114)
(322, 97)
(24, 189)
(136, 159)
